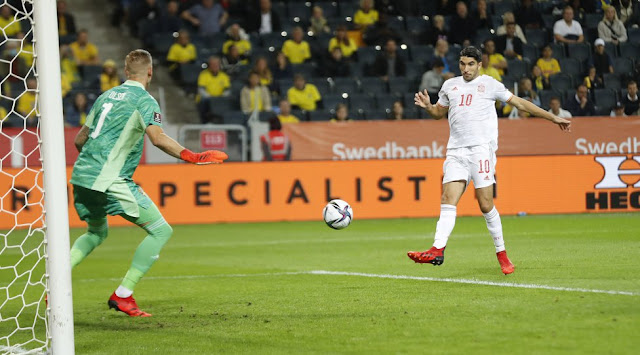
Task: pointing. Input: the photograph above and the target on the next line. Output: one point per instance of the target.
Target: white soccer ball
(337, 214)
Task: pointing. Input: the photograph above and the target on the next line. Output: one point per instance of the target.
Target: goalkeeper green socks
(84, 245)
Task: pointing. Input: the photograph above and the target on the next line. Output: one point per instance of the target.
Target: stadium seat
(611, 50)
(633, 35)
(236, 87)
(571, 66)
(347, 8)
(344, 85)
(301, 10)
(422, 53)
(396, 23)
(630, 50)
(503, 6)
(322, 84)
(417, 25)
(580, 51)
(329, 8)
(234, 117)
(530, 52)
(265, 116)
(91, 72)
(280, 8)
(622, 65)
(400, 86)
(367, 54)
(517, 68)
(222, 104)
(537, 37)
(481, 36)
(376, 114)
(189, 73)
(386, 101)
(546, 95)
(509, 82)
(320, 115)
(605, 100)
(373, 86)
(307, 69)
(161, 42)
(592, 20)
(274, 40)
(284, 85)
(558, 50)
(561, 82)
(361, 102)
(549, 20)
(612, 81)
(330, 101)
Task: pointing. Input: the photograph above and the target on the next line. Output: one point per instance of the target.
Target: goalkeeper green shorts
(122, 197)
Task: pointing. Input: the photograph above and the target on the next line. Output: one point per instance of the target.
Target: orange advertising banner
(365, 140)
(292, 191)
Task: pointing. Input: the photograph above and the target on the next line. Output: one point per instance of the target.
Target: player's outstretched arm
(525, 105)
(173, 148)
(422, 100)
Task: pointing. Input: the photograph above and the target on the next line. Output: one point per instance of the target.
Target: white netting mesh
(23, 284)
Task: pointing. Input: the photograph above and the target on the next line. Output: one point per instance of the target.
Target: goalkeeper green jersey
(117, 123)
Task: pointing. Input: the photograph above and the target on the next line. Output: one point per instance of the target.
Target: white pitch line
(473, 282)
(384, 276)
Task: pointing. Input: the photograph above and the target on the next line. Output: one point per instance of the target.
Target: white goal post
(34, 223)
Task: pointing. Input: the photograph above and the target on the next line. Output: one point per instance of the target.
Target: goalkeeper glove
(208, 157)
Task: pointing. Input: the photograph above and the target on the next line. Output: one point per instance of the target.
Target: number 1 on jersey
(105, 110)
(467, 101)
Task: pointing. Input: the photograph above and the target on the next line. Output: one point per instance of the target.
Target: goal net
(24, 279)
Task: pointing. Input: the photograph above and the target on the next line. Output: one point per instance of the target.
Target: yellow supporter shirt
(214, 84)
(496, 58)
(26, 103)
(296, 52)
(27, 53)
(306, 98)
(65, 85)
(548, 67)
(365, 19)
(84, 54)
(288, 119)
(182, 54)
(347, 49)
(10, 26)
(69, 68)
(266, 80)
(3, 113)
(244, 46)
(107, 83)
(492, 72)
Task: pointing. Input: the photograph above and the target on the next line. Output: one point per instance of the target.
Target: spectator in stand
(547, 63)
(318, 21)
(232, 62)
(296, 49)
(303, 95)
(611, 29)
(631, 101)
(525, 91)
(8, 23)
(433, 79)
(68, 66)
(26, 52)
(618, 110)
(66, 22)
(170, 20)
(209, 17)
(464, 24)
(336, 65)
(264, 20)
(254, 96)
(212, 82)
(388, 7)
(76, 113)
(508, 44)
(285, 115)
(282, 68)
(344, 42)
(389, 64)
(629, 12)
(496, 60)
(84, 52)
(3, 112)
(580, 105)
(180, 53)
(440, 52)
(27, 102)
(487, 69)
(556, 109)
(437, 30)
(240, 39)
(147, 9)
(109, 78)
(508, 17)
(366, 15)
(380, 33)
(481, 14)
(262, 69)
(397, 111)
(341, 114)
(592, 81)
(539, 81)
(527, 16)
(446, 7)
(566, 30)
(275, 144)
(601, 59)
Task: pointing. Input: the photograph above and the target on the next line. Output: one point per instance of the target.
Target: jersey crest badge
(481, 88)
(157, 117)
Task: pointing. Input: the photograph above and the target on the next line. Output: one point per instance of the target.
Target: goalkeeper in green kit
(110, 145)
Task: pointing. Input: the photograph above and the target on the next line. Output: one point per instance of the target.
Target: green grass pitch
(250, 288)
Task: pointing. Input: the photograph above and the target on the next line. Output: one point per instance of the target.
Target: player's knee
(486, 205)
(163, 232)
(99, 228)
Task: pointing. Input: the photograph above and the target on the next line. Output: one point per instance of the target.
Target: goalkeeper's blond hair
(137, 63)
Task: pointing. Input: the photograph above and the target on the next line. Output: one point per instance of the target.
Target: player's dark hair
(274, 123)
(472, 52)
